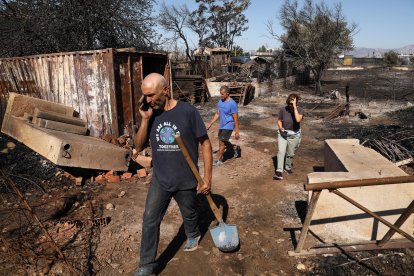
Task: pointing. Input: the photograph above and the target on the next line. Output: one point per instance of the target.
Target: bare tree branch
(314, 34)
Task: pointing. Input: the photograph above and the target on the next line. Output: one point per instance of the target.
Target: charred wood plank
(404, 162)
(337, 111)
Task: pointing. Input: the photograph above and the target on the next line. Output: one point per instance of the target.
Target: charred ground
(268, 213)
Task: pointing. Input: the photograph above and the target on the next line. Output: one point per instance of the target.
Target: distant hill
(378, 52)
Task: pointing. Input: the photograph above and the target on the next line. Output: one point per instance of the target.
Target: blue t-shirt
(227, 109)
(169, 165)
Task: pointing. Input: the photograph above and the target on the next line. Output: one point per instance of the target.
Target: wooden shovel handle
(200, 180)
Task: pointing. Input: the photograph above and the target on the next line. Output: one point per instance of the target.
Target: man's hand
(204, 189)
(215, 118)
(237, 135)
(145, 114)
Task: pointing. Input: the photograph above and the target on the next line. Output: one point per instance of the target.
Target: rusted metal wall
(103, 86)
(220, 58)
(129, 70)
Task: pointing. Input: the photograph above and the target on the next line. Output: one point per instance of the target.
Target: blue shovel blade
(225, 236)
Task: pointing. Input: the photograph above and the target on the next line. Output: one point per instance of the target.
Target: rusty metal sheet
(102, 86)
(72, 79)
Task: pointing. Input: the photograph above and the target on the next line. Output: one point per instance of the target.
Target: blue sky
(381, 23)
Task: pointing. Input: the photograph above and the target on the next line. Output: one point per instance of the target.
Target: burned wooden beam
(404, 162)
(337, 111)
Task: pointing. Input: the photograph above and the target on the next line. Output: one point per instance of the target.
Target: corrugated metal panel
(102, 86)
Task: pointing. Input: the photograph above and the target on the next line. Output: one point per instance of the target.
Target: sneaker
(143, 271)
(192, 244)
(278, 176)
(237, 152)
(288, 171)
(217, 163)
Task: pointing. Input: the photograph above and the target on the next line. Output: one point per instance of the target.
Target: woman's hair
(291, 97)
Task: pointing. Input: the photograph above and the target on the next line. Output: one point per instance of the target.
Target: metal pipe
(341, 248)
(404, 216)
(372, 214)
(359, 183)
(308, 219)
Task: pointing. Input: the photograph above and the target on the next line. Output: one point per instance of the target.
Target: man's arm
(216, 116)
(236, 125)
(141, 137)
(208, 164)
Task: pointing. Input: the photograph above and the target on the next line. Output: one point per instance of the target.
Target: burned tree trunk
(347, 99)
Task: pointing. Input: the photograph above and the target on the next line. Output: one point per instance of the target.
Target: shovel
(225, 236)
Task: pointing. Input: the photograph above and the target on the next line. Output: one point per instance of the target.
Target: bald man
(163, 118)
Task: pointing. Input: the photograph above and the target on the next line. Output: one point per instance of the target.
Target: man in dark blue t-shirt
(161, 120)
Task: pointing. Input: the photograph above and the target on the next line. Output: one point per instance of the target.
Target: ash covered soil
(264, 210)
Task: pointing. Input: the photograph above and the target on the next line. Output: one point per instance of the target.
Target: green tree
(219, 21)
(314, 34)
(199, 24)
(262, 49)
(390, 58)
(412, 59)
(237, 51)
(34, 27)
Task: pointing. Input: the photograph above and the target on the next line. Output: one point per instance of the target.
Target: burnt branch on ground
(32, 242)
(394, 142)
(43, 213)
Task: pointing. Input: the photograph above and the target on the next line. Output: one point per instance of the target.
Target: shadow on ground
(206, 218)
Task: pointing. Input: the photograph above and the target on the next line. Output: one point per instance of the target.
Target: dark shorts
(224, 134)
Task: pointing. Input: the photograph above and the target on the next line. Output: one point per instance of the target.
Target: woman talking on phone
(289, 135)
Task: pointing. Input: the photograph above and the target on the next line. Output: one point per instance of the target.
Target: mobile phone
(143, 104)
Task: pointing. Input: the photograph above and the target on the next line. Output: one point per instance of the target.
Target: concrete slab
(336, 220)
(54, 116)
(67, 149)
(81, 130)
(18, 104)
(60, 147)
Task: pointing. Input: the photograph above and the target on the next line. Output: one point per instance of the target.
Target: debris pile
(231, 77)
(53, 131)
(66, 215)
(140, 163)
(339, 110)
(396, 145)
(190, 88)
(256, 68)
(36, 238)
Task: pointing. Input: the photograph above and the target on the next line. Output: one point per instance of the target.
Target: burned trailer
(102, 86)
